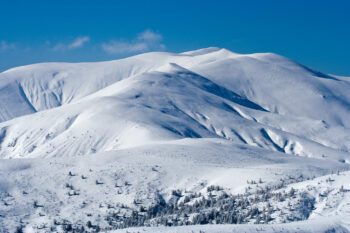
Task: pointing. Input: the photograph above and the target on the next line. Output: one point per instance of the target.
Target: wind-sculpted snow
(136, 129)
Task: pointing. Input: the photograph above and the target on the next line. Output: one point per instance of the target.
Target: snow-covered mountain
(260, 99)
(163, 121)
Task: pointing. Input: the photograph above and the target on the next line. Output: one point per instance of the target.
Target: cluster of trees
(219, 207)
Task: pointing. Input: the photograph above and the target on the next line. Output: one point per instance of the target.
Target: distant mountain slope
(168, 102)
(38, 87)
(274, 82)
(283, 87)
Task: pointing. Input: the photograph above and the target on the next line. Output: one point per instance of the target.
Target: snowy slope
(38, 87)
(188, 164)
(88, 136)
(279, 84)
(323, 225)
(171, 102)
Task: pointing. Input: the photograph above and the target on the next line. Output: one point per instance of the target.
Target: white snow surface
(322, 225)
(165, 121)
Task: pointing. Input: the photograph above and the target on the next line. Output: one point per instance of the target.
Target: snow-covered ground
(86, 141)
(322, 225)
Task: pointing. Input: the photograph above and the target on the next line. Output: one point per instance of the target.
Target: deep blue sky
(313, 32)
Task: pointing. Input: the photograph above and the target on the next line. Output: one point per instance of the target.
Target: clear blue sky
(313, 32)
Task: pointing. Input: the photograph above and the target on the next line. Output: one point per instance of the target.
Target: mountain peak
(208, 50)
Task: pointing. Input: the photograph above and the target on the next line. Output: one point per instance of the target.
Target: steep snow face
(262, 100)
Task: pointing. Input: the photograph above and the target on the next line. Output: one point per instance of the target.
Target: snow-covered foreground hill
(202, 137)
